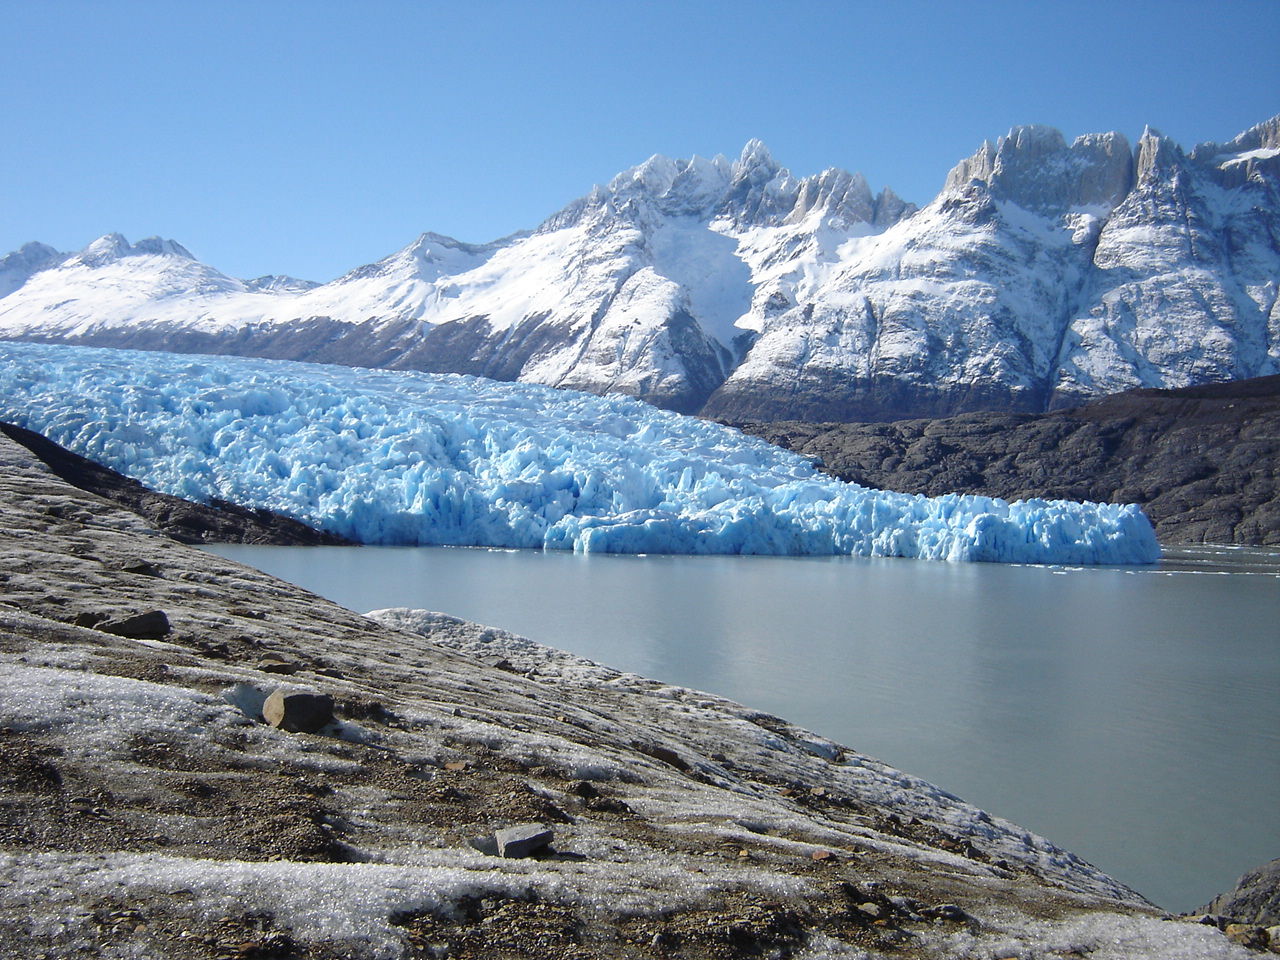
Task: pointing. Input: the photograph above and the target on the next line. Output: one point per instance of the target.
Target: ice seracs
(410, 458)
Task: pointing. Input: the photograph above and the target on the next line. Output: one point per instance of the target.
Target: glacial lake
(1131, 715)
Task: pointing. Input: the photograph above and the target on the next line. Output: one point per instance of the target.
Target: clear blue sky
(308, 138)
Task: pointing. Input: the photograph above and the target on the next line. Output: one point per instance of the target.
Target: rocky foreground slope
(1202, 462)
(146, 810)
(1044, 273)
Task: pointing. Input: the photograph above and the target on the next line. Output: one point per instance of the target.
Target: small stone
(818, 791)
(522, 840)
(869, 909)
(1273, 936)
(274, 664)
(152, 625)
(744, 854)
(608, 805)
(1248, 935)
(456, 766)
(822, 855)
(298, 712)
(584, 789)
(948, 912)
(665, 754)
(498, 663)
(140, 567)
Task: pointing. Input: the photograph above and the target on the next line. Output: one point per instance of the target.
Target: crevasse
(387, 457)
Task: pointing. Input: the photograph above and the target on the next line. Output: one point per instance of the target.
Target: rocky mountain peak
(1261, 136)
(843, 196)
(755, 163)
(29, 259)
(890, 208)
(429, 257)
(753, 190)
(30, 252)
(30, 256)
(107, 248)
(653, 177)
(111, 247)
(279, 283)
(1034, 167)
(158, 246)
(428, 245)
(978, 167)
(1156, 156)
(760, 191)
(1253, 155)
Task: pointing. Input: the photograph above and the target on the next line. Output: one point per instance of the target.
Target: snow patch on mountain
(1045, 272)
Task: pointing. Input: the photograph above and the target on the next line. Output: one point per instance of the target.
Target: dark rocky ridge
(1255, 899)
(1202, 461)
(184, 520)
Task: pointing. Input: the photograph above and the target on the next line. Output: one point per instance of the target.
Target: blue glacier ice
(387, 457)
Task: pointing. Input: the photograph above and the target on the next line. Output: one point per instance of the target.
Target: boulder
(141, 567)
(1255, 899)
(298, 712)
(152, 625)
(1247, 935)
(274, 664)
(522, 840)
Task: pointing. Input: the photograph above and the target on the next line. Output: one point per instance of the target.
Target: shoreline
(135, 784)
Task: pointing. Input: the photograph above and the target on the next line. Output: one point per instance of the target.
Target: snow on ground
(410, 458)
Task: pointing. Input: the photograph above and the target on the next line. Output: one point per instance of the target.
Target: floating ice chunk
(386, 457)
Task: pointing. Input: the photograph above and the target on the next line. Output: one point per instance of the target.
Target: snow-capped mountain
(1043, 272)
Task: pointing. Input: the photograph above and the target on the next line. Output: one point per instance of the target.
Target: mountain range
(1044, 273)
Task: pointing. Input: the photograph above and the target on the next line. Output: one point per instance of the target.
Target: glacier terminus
(399, 457)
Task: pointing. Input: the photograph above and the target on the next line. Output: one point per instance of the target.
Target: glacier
(408, 458)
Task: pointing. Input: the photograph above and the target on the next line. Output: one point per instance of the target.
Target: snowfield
(410, 458)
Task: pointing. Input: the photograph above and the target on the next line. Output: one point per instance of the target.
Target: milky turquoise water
(1131, 715)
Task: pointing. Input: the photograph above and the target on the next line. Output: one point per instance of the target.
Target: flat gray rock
(522, 840)
(152, 625)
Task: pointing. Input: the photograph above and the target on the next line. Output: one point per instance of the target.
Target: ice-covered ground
(412, 458)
